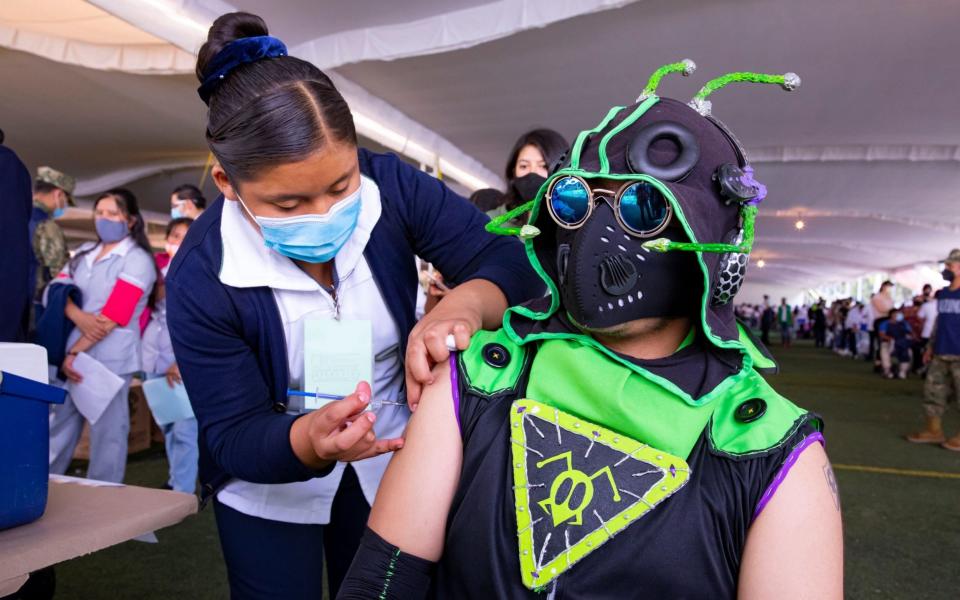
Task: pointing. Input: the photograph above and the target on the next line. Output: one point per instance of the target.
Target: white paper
(92, 395)
(167, 404)
(337, 355)
(149, 537)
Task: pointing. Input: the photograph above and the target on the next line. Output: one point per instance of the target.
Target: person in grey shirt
(115, 275)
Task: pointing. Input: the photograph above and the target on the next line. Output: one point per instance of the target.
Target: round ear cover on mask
(605, 277)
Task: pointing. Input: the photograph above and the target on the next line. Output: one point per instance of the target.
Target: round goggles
(641, 208)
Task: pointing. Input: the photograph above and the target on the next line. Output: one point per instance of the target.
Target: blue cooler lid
(21, 387)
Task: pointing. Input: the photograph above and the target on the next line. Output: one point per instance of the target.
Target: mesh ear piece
(730, 273)
(638, 153)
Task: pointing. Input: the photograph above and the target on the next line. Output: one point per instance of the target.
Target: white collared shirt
(248, 263)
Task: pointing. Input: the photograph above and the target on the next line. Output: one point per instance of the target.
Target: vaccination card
(337, 355)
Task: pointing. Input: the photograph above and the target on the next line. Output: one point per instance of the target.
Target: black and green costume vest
(588, 476)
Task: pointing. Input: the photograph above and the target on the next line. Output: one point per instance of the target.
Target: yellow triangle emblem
(577, 484)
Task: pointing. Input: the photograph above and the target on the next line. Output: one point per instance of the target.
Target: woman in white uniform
(179, 437)
(306, 258)
(115, 276)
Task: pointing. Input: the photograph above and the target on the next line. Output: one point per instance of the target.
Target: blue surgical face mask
(111, 231)
(176, 213)
(311, 238)
(59, 210)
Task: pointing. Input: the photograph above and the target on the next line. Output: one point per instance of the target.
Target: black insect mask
(652, 215)
(607, 277)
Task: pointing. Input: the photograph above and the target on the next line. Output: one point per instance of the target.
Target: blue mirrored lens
(570, 200)
(642, 207)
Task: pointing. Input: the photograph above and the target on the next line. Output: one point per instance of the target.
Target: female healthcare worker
(115, 276)
(179, 437)
(311, 232)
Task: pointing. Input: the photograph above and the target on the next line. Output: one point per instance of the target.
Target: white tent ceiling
(866, 152)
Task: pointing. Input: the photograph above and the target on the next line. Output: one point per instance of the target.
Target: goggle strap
(748, 214)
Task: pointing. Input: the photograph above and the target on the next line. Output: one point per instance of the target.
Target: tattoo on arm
(832, 483)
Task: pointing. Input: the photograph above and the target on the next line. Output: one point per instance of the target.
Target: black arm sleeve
(380, 570)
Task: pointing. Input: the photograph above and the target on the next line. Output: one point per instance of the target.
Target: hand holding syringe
(341, 430)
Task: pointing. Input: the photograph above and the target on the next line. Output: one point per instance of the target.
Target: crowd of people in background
(920, 336)
(893, 337)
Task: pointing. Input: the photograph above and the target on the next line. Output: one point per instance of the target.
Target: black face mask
(606, 278)
(526, 187)
(947, 274)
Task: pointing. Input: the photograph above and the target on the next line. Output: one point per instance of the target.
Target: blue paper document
(168, 404)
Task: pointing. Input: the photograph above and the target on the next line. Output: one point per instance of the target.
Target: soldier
(52, 192)
(943, 357)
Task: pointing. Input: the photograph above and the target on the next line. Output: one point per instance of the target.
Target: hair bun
(227, 28)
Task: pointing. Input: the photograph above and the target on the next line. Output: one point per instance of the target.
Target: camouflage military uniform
(942, 383)
(49, 243)
(50, 249)
(943, 375)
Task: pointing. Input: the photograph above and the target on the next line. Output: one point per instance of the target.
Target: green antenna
(685, 67)
(788, 81)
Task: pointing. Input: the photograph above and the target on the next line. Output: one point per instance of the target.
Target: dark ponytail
(271, 111)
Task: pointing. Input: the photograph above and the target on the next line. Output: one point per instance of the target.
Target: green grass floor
(902, 531)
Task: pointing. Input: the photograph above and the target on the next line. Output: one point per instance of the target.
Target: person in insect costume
(615, 439)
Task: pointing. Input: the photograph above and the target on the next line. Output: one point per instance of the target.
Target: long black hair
(268, 112)
(551, 145)
(128, 205)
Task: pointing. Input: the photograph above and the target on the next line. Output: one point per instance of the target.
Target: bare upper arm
(414, 498)
(794, 548)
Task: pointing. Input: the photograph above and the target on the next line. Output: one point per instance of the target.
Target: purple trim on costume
(455, 388)
(785, 469)
(748, 180)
